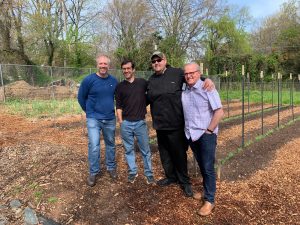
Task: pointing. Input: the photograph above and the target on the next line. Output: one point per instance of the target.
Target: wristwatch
(209, 130)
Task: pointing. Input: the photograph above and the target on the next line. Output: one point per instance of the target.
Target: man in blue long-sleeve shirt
(96, 98)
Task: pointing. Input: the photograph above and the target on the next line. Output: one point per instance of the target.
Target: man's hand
(208, 84)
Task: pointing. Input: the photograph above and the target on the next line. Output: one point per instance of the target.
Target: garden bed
(44, 165)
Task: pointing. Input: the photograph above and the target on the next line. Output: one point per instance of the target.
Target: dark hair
(128, 61)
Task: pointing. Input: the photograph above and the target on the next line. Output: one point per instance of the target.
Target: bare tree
(264, 38)
(130, 21)
(183, 19)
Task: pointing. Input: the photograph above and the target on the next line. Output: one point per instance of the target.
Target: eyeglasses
(190, 73)
(156, 60)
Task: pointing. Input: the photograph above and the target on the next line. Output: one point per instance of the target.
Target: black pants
(173, 146)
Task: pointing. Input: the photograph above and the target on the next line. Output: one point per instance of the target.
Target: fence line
(46, 82)
(57, 87)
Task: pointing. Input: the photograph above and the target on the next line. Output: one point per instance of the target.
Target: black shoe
(187, 189)
(91, 181)
(150, 180)
(131, 178)
(165, 182)
(112, 174)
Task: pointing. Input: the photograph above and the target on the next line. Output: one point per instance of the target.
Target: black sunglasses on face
(156, 60)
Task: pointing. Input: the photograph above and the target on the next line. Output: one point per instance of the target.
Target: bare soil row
(41, 160)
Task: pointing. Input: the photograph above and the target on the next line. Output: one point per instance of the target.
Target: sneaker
(150, 180)
(112, 174)
(91, 181)
(131, 178)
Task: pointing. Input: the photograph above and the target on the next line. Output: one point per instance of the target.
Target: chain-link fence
(45, 91)
(44, 82)
(50, 92)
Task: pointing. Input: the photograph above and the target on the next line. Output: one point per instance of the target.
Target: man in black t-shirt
(131, 110)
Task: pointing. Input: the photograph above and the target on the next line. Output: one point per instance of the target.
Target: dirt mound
(20, 84)
(18, 89)
(22, 90)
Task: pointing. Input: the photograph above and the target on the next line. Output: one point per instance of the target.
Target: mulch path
(42, 161)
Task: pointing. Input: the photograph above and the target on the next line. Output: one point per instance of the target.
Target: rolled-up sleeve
(214, 99)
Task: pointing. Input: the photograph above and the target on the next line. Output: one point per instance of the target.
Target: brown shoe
(197, 196)
(206, 209)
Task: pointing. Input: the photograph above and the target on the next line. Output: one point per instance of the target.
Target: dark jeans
(204, 150)
(172, 146)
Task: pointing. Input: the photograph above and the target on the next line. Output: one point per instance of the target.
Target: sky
(259, 8)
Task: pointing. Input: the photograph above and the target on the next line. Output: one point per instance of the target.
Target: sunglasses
(156, 60)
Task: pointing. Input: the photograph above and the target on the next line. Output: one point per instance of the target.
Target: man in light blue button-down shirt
(202, 113)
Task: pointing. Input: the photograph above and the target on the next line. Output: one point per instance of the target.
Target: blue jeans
(137, 129)
(94, 127)
(204, 150)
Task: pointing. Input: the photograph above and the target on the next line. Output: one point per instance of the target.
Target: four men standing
(174, 132)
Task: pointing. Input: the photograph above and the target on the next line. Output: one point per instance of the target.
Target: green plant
(152, 141)
(258, 138)
(38, 195)
(33, 185)
(52, 199)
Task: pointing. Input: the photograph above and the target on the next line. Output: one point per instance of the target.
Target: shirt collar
(197, 85)
(126, 81)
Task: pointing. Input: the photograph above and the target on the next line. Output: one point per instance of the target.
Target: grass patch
(52, 199)
(33, 185)
(38, 192)
(38, 195)
(255, 96)
(43, 108)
